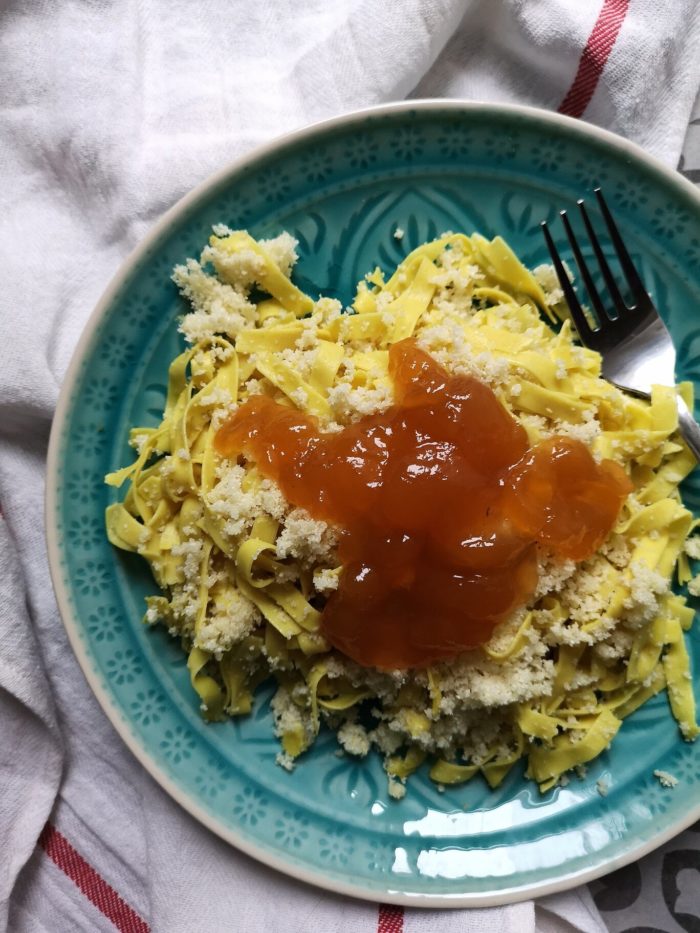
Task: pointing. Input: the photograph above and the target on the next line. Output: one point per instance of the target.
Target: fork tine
(583, 269)
(623, 256)
(618, 300)
(587, 335)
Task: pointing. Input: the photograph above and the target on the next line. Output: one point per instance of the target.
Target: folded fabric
(110, 112)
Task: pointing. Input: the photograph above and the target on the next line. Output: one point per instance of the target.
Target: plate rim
(390, 895)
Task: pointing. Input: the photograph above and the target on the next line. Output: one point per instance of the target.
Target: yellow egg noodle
(244, 574)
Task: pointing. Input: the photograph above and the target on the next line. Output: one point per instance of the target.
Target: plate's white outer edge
(390, 896)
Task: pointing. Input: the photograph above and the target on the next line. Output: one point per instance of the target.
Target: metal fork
(633, 341)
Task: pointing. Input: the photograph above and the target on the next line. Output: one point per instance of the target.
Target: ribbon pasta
(246, 608)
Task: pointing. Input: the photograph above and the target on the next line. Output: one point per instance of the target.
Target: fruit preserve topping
(440, 504)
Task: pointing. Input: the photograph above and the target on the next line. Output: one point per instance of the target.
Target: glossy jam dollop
(440, 503)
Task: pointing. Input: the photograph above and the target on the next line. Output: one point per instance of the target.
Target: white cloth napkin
(109, 111)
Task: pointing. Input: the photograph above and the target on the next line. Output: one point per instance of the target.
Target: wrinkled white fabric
(110, 110)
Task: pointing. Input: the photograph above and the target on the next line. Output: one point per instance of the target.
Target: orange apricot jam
(440, 504)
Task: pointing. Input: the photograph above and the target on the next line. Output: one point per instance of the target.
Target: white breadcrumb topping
(285, 761)
(646, 586)
(222, 309)
(553, 572)
(219, 307)
(137, 441)
(353, 739)
(186, 598)
(351, 404)
(308, 540)
(666, 779)
(238, 507)
(233, 617)
(288, 716)
(546, 276)
(326, 580)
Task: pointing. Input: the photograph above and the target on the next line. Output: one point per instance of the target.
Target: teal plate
(342, 188)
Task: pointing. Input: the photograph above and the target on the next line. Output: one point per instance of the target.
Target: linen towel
(110, 110)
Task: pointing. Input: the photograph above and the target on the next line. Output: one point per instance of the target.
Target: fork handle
(689, 428)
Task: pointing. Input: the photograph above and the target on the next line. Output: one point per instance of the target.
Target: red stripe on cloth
(90, 883)
(595, 55)
(390, 919)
